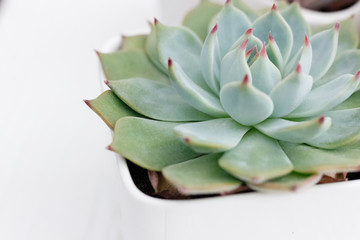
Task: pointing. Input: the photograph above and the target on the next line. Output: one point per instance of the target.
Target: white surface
(57, 181)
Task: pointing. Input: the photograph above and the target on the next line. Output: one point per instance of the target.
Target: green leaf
(291, 182)
(324, 46)
(179, 44)
(128, 64)
(344, 130)
(201, 176)
(232, 24)
(273, 22)
(250, 13)
(193, 94)
(110, 108)
(211, 136)
(210, 61)
(252, 42)
(244, 103)
(149, 144)
(293, 16)
(326, 97)
(288, 94)
(256, 159)
(264, 73)
(234, 66)
(133, 42)
(296, 132)
(155, 100)
(346, 62)
(302, 57)
(199, 18)
(274, 53)
(352, 102)
(307, 159)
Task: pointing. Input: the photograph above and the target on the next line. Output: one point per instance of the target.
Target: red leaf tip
(107, 82)
(214, 30)
(249, 31)
(257, 51)
(298, 68)
(228, 1)
(263, 51)
(250, 51)
(170, 62)
(357, 76)
(274, 7)
(337, 26)
(307, 42)
(187, 140)
(271, 38)
(246, 79)
(321, 119)
(87, 102)
(109, 148)
(244, 44)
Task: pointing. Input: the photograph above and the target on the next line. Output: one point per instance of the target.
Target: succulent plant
(236, 97)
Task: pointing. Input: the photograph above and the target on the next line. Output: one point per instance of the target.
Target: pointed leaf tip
(246, 79)
(87, 102)
(187, 140)
(271, 38)
(249, 31)
(321, 120)
(307, 42)
(244, 44)
(170, 62)
(274, 7)
(257, 51)
(298, 69)
(337, 26)
(107, 82)
(214, 30)
(357, 76)
(228, 1)
(109, 148)
(155, 20)
(250, 51)
(263, 51)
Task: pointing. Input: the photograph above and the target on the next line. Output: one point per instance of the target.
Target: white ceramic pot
(173, 11)
(328, 212)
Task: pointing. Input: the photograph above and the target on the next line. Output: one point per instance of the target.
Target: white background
(57, 181)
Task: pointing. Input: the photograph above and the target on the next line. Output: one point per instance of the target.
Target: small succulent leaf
(324, 47)
(274, 54)
(252, 41)
(257, 158)
(182, 45)
(292, 182)
(193, 94)
(352, 102)
(308, 159)
(250, 13)
(244, 103)
(149, 143)
(293, 16)
(110, 108)
(344, 130)
(326, 97)
(130, 63)
(264, 73)
(199, 18)
(232, 24)
(155, 100)
(302, 57)
(295, 132)
(288, 94)
(273, 22)
(133, 42)
(211, 136)
(210, 61)
(346, 62)
(201, 175)
(234, 66)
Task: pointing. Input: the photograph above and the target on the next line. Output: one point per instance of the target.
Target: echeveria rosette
(236, 97)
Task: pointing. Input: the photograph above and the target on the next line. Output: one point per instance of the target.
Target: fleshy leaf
(250, 13)
(291, 182)
(296, 132)
(274, 53)
(290, 92)
(133, 42)
(149, 144)
(130, 63)
(155, 100)
(201, 176)
(193, 94)
(252, 41)
(244, 103)
(298, 25)
(303, 57)
(352, 102)
(211, 136)
(347, 62)
(256, 159)
(264, 73)
(180, 44)
(344, 130)
(199, 18)
(210, 61)
(234, 66)
(327, 96)
(308, 159)
(110, 108)
(232, 23)
(324, 45)
(273, 22)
